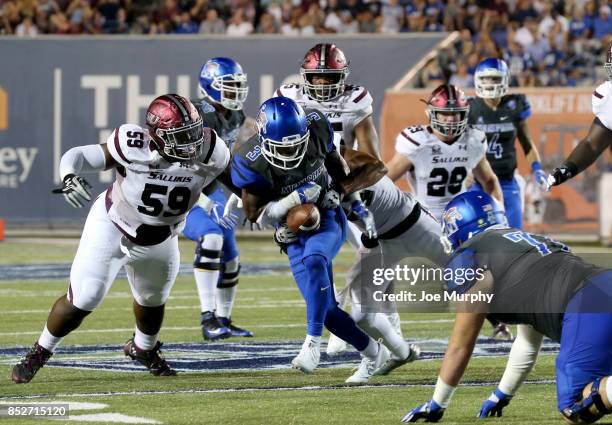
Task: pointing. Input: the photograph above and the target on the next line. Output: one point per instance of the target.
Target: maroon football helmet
(608, 64)
(324, 59)
(443, 105)
(176, 127)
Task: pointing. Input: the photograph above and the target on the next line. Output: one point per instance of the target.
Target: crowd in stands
(545, 42)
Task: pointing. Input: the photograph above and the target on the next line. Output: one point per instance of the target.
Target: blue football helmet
(467, 215)
(223, 81)
(491, 78)
(283, 132)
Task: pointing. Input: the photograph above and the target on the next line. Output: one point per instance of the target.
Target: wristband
(443, 393)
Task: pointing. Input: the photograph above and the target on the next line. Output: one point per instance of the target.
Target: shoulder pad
(130, 143)
(292, 91)
(410, 139)
(203, 106)
(359, 96)
(600, 101)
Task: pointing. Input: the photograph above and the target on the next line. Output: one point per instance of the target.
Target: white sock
(144, 341)
(48, 341)
(225, 300)
(394, 342)
(371, 351)
(206, 282)
(316, 340)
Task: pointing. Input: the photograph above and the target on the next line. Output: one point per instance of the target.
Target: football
(303, 218)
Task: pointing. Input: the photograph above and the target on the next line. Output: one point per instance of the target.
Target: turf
(271, 306)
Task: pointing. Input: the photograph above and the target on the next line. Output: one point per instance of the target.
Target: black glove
(562, 174)
(76, 190)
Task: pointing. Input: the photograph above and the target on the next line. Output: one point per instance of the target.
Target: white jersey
(149, 189)
(601, 101)
(440, 168)
(344, 112)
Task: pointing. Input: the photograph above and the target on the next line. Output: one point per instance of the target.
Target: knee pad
(208, 252)
(582, 411)
(229, 273)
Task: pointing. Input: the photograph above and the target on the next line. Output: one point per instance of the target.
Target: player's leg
(228, 284)
(336, 345)
(585, 356)
(151, 278)
(208, 235)
(97, 261)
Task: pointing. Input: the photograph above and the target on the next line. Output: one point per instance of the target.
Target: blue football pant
(586, 340)
(311, 259)
(513, 201)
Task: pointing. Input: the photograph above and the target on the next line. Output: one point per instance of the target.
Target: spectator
(602, 25)
(462, 78)
(391, 17)
(267, 24)
(238, 26)
(26, 28)
(291, 25)
(186, 25)
(349, 23)
(526, 34)
(212, 24)
(333, 21)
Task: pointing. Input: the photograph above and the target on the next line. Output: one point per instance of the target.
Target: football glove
(216, 212)
(234, 202)
(331, 200)
(430, 411)
(76, 190)
(539, 176)
(359, 210)
(494, 405)
(283, 237)
(308, 192)
(133, 251)
(561, 174)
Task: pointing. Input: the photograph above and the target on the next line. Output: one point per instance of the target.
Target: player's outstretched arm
(531, 154)
(81, 159)
(584, 154)
(488, 180)
(521, 360)
(367, 137)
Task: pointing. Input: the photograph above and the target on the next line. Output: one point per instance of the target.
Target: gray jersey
(387, 203)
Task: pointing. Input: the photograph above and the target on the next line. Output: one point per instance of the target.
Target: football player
(161, 170)
(217, 263)
(503, 117)
(348, 108)
(404, 230)
(531, 280)
(599, 137)
(288, 164)
(440, 155)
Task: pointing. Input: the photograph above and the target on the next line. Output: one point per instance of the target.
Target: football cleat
(368, 366)
(502, 332)
(335, 346)
(308, 358)
(24, 371)
(236, 331)
(151, 359)
(392, 363)
(212, 329)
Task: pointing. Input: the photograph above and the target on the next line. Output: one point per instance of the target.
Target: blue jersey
(226, 123)
(500, 126)
(251, 171)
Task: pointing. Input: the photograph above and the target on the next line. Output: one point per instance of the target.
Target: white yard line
(252, 390)
(195, 328)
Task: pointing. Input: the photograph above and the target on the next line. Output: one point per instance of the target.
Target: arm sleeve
(524, 108)
(521, 360)
(82, 159)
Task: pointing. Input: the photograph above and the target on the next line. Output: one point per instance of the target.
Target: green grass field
(268, 304)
